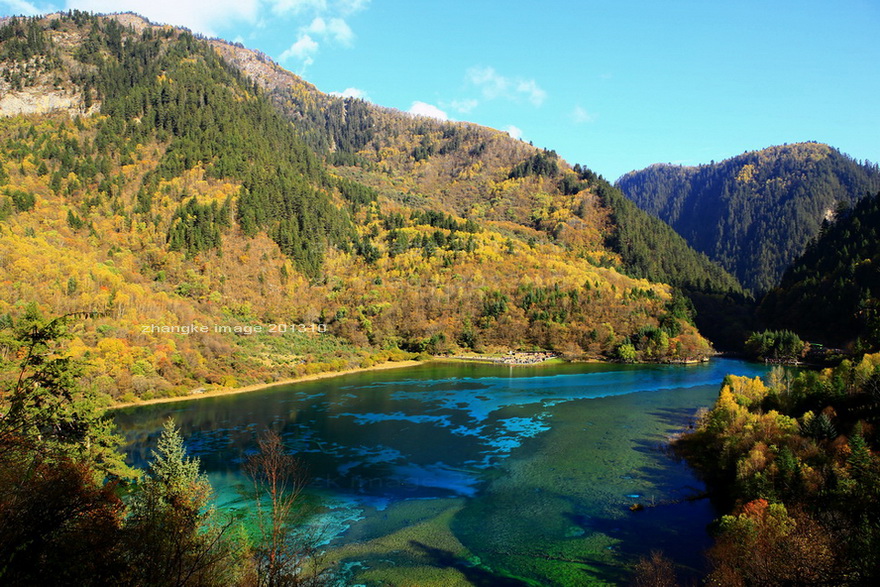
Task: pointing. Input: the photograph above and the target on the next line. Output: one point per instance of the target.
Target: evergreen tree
(59, 513)
(47, 410)
(172, 535)
(830, 293)
(754, 213)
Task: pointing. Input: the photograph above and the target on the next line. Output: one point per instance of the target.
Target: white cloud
(489, 81)
(429, 110)
(464, 106)
(303, 49)
(297, 6)
(343, 7)
(493, 85)
(325, 27)
(21, 8)
(515, 132)
(351, 6)
(318, 26)
(201, 16)
(340, 31)
(581, 116)
(534, 94)
(351, 93)
(334, 28)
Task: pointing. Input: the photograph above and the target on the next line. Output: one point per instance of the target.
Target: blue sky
(615, 85)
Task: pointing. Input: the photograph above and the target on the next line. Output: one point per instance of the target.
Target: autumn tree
(766, 545)
(58, 526)
(654, 571)
(60, 516)
(286, 552)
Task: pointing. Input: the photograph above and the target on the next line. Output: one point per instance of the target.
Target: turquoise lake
(473, 474)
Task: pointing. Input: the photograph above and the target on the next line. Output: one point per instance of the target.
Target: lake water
(473, 474)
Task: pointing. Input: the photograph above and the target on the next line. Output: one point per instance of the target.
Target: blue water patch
(437, 476)
(394, 437)
(361, 419)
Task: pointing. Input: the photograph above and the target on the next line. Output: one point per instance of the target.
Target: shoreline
(330, 374)
(258, 386)
(511, 358)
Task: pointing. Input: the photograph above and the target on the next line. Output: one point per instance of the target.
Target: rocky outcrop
(41, 101)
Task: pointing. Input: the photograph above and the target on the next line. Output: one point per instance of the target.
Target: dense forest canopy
(482, 173)
(650, 248)
(829, 294)
(794, 462)
(754, 213)
(195, 182)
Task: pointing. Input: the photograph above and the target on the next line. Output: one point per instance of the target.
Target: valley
(416, 350)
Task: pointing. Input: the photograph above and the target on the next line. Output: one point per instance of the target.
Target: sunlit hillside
(171, 194)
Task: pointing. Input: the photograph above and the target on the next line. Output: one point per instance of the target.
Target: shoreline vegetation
(222, 391)
(792, 457)
(511, 358)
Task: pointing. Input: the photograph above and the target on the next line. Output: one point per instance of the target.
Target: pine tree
(49, 412)
(172, 537)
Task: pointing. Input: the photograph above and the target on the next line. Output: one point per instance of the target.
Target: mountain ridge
(829, 294)
(191, 198)
(595, 207)
(755, 212)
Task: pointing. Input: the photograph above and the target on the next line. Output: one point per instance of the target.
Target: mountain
(650, 248)
(830, 293)
(466, 169)
(754, 213)
(225, 223)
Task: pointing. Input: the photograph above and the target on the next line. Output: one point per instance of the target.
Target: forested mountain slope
(830, 294)
(485, 175)
(651, 248)
(754, 213)
(160, 186)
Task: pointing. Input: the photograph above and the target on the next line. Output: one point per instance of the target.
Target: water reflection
(539, 453)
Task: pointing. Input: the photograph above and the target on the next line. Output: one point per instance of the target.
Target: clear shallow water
(454, 473)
